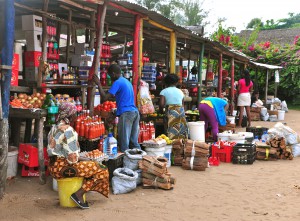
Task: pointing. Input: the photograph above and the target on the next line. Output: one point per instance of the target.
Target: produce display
(166, 138)
(107, 106)
(22, 100)
(95, 155)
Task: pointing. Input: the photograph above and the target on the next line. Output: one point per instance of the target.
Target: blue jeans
(128, 130)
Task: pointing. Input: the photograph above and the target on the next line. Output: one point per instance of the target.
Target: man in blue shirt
(129, 117)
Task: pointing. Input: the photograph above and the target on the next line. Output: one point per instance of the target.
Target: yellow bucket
(66, 187)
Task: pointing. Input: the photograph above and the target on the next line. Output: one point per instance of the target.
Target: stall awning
(267, 66)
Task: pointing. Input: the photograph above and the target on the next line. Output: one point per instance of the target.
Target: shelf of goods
(125, 63)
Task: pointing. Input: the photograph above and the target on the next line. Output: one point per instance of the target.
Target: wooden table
(18, 114)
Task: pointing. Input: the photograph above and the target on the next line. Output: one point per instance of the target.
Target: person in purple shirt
(129, 117)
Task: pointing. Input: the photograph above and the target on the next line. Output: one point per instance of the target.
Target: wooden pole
(266, 89)
(136, 54)
(69, 31)
(232, 86)
(44, 46)
(220, 75)
(141, 46)
(7, 35)
(92, 33)
(96, 62)
(172, 52)
(207, 67)
(200, 65)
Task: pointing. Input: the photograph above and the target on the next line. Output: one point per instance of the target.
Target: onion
(29, 98)
(21, 96)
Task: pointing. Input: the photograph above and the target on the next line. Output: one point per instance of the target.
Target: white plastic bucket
(238, 138)
(12, 161)
(248, 136)
(234, 112)
(281, 115)
(231, 119)
(223, 136)
(197, 130)
(155, 152)
(168, 154)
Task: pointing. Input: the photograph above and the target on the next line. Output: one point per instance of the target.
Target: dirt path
(262, 191)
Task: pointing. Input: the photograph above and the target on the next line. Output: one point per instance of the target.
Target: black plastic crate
(243, 159)
(243, 149)
(113, 164)
(257, 131)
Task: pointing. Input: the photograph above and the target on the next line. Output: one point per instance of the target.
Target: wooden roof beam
(77, 5)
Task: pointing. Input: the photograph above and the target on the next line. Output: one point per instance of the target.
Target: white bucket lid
(196, 123)
(237, 137)
(246, 134)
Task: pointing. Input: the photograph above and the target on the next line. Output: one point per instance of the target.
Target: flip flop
(82, 205)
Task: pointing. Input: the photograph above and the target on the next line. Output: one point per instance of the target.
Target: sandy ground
(262, 191)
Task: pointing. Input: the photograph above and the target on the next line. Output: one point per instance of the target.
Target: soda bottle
(51, 112)
(100, 145)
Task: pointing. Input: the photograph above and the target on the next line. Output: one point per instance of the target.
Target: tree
(254, 23)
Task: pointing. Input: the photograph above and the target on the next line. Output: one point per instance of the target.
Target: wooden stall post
(141, 47)
(220, 75)
(136, 54)
(92, 32)
(7, 36)
(207, 67)
(172, 52)
(232, 86)
(101, 13)
(200, 65)
(267, 84)
(69, 30)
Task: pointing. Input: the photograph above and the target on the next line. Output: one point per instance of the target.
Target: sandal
(82, 205)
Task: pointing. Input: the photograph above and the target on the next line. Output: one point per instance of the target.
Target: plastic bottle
(265, 137)
(78, 105)
(51, 114)
(112, 146)
(256, 139)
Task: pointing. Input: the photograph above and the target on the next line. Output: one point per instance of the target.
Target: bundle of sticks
(195, 155)
(177, 151)
(284, 151)
(155, 173)
(266, 153)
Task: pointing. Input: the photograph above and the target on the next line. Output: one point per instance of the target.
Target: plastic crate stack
(244, 153)
(28, 157)
(149, 74)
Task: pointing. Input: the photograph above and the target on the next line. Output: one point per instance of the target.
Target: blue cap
(110, 135)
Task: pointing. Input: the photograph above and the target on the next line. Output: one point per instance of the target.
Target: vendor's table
(16, 115)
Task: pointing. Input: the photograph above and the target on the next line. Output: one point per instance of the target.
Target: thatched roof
(278, 36)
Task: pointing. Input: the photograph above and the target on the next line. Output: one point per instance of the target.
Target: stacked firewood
(155, 173)
(195, 155)
(283, 151)
(177, 151)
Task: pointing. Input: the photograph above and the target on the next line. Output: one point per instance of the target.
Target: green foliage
(254, 23)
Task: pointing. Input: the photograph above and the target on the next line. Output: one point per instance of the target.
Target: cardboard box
(32, 58)
(28, 155)
(33, 40)
(32, 23)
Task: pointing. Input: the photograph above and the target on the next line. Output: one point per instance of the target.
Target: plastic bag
(144, 100)
(284, 106)
(289, 134)
(124, 180)
(296, 150)
(132, 158)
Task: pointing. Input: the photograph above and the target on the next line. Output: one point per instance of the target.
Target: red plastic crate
(28, 155)
(32, 171)
(224, 153)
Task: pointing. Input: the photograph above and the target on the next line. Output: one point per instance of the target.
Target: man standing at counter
(129, 117)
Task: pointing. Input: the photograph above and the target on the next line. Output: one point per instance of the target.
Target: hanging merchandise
(144, 100)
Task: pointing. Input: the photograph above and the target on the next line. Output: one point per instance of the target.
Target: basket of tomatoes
(105, 109)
